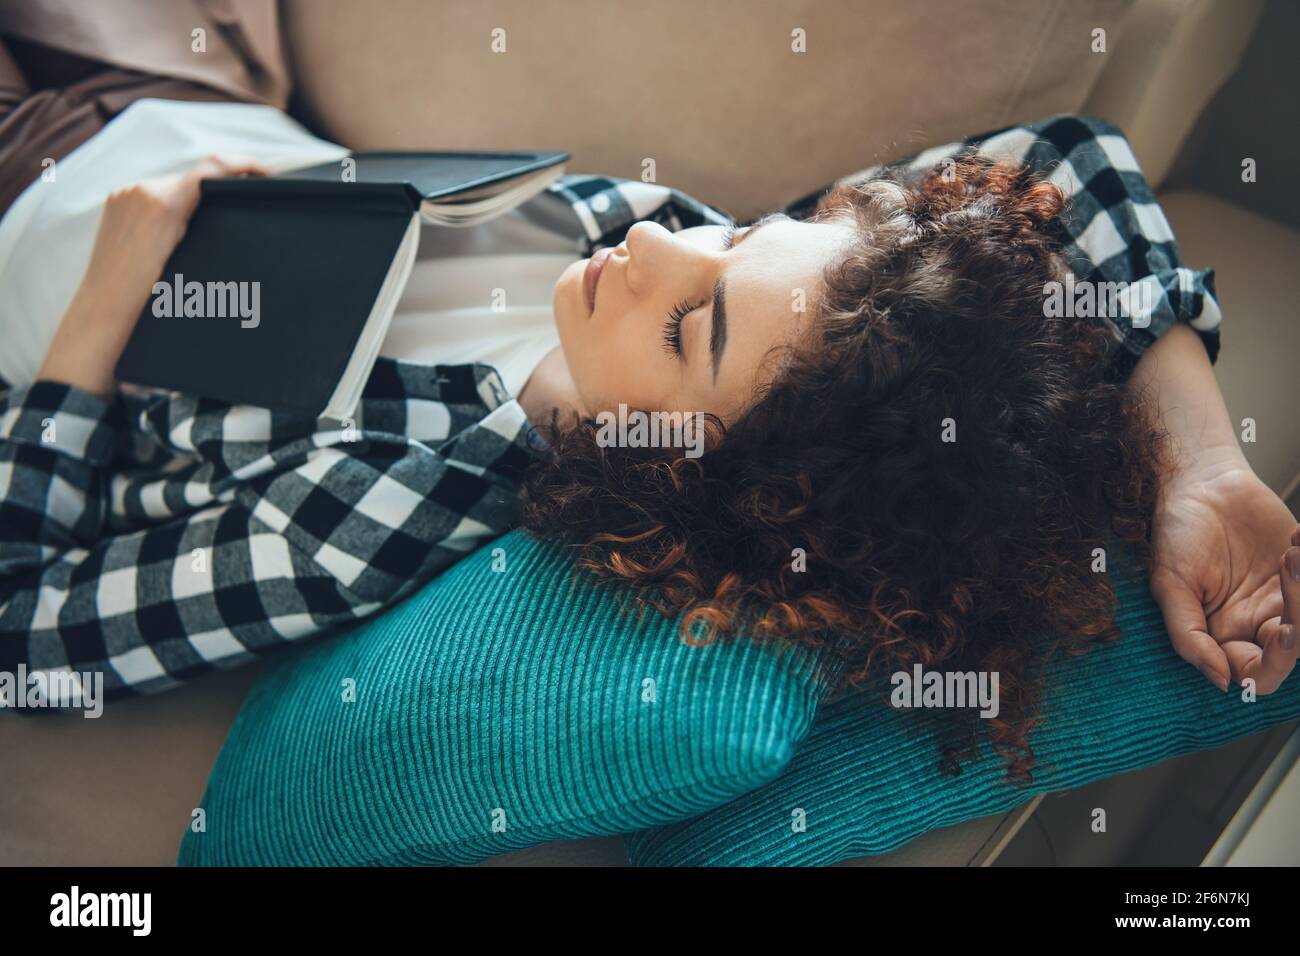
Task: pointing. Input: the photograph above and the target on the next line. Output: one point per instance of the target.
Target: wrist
(1176, 379)
(1201, 456)
(1202, 475)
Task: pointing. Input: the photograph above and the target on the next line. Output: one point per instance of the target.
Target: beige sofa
(714, 94)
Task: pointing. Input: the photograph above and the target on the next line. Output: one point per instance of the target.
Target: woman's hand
(1224, 542)
(1227, 574)
(138, 230)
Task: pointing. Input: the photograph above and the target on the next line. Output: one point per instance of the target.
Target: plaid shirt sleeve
(604, 208)
(153, 540)
(1112, 231)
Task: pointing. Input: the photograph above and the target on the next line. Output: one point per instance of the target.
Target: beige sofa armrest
(1168, 61)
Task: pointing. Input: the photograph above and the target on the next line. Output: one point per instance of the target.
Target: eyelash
(673, 327)
(679, 312)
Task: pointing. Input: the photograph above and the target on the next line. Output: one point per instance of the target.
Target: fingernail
(1293, 563)
(1215, 678)
(1287, 640)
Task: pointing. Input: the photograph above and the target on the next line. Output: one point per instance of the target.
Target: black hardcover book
(282, 289)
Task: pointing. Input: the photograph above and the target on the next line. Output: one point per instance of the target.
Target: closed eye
(672, 335)
(672, 332)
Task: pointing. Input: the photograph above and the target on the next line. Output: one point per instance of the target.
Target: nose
(656, 255)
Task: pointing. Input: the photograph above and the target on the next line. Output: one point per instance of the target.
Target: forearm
(138, 229)
(1175, 375)
(94, 331)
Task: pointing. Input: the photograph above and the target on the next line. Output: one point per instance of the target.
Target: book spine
(363, 197)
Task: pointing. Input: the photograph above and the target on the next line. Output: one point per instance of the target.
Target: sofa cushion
(116, 790)
(717, 94)
(505, 704)
(865, 782)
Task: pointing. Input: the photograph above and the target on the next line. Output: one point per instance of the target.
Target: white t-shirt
(449, 313)
(482, 295)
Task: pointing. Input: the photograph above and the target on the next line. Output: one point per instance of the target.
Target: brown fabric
(242, 53)
(51, 123)
(46, 68)
(67, 68)
(13, 83)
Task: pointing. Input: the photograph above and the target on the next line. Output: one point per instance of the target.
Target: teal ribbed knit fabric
(867, 782)
(495, 710)
(522, 698)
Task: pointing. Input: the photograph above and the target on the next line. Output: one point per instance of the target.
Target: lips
(591, 275)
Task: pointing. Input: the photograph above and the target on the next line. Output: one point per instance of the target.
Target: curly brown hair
(974, 554)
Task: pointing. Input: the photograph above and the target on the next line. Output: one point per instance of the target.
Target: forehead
(784, 250)
(773, 279)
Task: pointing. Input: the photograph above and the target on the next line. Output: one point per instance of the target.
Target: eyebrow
(718, 333)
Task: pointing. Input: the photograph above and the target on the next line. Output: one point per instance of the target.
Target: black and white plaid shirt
(155, 537)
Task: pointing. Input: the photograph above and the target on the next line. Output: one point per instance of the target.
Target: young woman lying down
(919, 440)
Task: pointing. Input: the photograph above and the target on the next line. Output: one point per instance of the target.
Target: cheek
(613, 356)
(567, 302)
(571, 319)
(610, 365)
(582, 339)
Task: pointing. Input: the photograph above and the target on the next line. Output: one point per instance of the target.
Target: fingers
(214, 166)
(1185, 620)
(1268, 667)
(1280, 648)
(1289, 569)
(1273, 605)
(229, 164)
(1272, 656)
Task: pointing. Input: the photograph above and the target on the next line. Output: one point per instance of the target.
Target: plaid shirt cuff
(1112, 231)
(61, 418)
